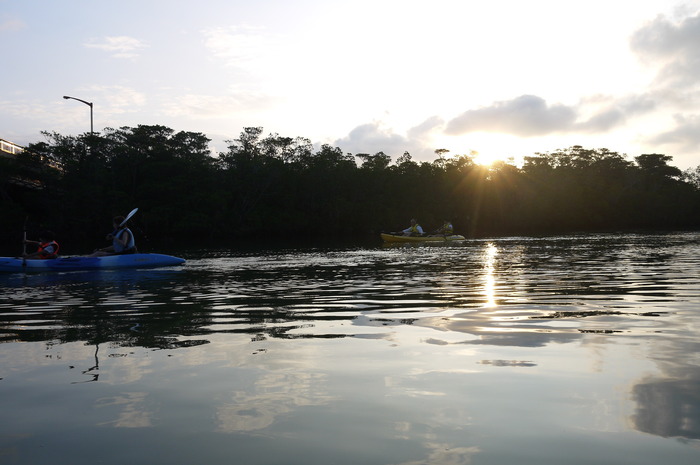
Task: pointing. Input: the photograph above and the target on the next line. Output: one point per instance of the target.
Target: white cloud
(372, 138)
(606, 113)
(122, 99)
(426, 129)
(673, 47)
(375, 137)
(118, 46)
(667, 47)
(524, 116)
(685, 136)
(37, 115)
(513, 84)
(238, 46)
(532, 116)
(109, 101)
(215, 106)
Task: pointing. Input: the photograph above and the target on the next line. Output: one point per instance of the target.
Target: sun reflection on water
(489, 280)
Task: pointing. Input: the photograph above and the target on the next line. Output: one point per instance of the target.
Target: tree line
(283, 188)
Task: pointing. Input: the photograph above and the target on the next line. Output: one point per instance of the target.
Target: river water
(576, 349)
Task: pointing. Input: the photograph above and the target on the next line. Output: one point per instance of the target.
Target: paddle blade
(128, 217)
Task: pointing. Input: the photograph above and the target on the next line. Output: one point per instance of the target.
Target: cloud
(668, 407)
(122, 99)
(118, 46)
(673, 47)
(532, 116)
(424, 130)
(685, 136)
(238, 46)
(670, 46)
(36, 114)
(215, 106)
(446, 454)
(525, 116)
(607, 113)
(112, 100)
(372, 138)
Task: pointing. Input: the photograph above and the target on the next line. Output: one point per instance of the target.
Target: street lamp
(86, 103)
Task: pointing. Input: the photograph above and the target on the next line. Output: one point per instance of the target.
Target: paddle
(131, 213)
(24, 244)
(110, 236)
(24, 240)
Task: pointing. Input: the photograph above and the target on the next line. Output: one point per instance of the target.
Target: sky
(501, 78)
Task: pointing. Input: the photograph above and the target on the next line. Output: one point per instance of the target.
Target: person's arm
(33, 254)
(124, 239)
(419, 229)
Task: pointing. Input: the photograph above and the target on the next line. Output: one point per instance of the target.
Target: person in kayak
(413, 230)
(446, 229)
(47, 247)
(122, 240)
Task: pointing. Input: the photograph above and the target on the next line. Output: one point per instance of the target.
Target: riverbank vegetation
(275, 187)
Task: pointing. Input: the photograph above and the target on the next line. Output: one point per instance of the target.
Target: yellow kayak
(435, 238)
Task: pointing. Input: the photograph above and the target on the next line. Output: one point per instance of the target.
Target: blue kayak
(83, 263)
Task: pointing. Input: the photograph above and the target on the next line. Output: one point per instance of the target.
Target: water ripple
(615, 283)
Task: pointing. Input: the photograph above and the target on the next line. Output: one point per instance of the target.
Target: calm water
(576, 350)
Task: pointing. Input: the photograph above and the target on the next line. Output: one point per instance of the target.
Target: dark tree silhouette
(284, 188)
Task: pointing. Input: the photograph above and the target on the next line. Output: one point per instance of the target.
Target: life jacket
(447, 228)
(131, 245)
(46, 254)
(414, 228)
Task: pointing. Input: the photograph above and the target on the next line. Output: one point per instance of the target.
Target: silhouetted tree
(283, 187)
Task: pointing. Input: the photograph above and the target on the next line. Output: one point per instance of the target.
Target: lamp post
(86, 103)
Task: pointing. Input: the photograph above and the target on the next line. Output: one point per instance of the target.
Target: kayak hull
(84, 263)
(400, 238)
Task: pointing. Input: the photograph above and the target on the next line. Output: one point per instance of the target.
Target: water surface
(576, 349)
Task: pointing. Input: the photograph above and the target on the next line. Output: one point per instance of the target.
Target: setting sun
(485, 159)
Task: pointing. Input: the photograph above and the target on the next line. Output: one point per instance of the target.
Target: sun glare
(486, 159)
(489, 280)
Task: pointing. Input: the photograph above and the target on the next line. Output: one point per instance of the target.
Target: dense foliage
(281, 187)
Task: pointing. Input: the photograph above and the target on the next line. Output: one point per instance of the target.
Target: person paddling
(446, 229)
(47, 247)
(122, 240)
(414, 230)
